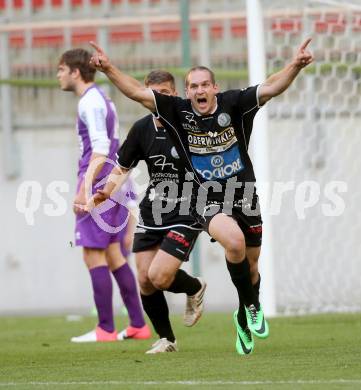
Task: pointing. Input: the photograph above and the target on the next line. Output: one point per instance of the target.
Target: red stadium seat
(330, 23)
(127, 34)
(83, 37)
(18, 3)
(216, 30)
(51, 38)
(287, 25)
(169, 32)
(37, 3)
(239, 28)
(164, 32)
(17, 40)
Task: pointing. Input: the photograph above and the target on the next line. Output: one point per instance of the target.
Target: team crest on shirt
(224, 119)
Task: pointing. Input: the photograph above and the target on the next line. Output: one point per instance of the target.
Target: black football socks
(256, 287)
(184, 283)
(156, 307)
(241, 278)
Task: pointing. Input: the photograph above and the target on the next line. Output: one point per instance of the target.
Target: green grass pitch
(313, 352)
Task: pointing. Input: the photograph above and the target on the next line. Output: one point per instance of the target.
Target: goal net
(315, 159)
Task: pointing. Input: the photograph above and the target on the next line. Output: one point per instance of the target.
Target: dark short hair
(213, 78)
(158, 77)
(79, 59)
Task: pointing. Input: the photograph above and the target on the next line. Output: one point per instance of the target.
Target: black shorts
(250, 223)
(177, 241)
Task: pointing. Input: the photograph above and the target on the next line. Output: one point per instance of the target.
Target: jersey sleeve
(130, 153)
(166, 108)
(244, 100)
(93, 112)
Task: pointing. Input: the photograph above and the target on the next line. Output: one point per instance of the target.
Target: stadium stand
(133, 46)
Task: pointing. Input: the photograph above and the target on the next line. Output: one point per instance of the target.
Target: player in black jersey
(211, 131)
(164, 238)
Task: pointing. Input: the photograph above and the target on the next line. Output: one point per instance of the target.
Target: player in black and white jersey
(163, 239)
(212, 131)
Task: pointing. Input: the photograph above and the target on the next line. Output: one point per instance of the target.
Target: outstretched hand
(303, 56)
(99, 59)
(99, 197)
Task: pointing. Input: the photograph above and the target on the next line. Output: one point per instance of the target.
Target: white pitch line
(188, 383)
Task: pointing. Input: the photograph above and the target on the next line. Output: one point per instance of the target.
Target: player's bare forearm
(280, 81)
(287, 72)
(96, 164)
(131, 226)
(128, 85)
(80, 199)
(115, 180)
(131, 87)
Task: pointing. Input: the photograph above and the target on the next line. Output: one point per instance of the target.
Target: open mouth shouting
(202, 105)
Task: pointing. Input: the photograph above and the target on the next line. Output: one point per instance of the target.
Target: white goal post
(309, 156)
(257, 74)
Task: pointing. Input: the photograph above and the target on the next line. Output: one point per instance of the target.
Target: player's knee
(144, 282)
(160, 281)
(235, 245)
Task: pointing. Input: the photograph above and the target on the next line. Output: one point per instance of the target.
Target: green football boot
(257, 324)
(244, 342)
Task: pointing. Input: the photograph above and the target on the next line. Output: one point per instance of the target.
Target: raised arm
(128, 85)
(280, 81)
